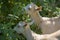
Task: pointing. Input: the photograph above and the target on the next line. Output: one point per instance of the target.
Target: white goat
(24, 28)
(47, 25)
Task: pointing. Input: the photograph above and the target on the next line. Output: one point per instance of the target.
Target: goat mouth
(18, 33)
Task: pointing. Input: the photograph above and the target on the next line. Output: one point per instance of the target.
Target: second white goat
(24, 28)
(47, 25)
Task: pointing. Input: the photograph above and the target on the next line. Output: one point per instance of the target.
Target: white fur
(48, 25)
(30, 35)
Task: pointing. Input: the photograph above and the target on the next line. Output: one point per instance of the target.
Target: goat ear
(39, 8)
(56, 34)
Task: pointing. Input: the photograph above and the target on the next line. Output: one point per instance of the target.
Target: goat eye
(18, 26)
(28, 8)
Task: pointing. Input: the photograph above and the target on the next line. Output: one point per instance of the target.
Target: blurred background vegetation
(11, 13)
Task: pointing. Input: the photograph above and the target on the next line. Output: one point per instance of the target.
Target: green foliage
(11, 12)
(36, 29)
